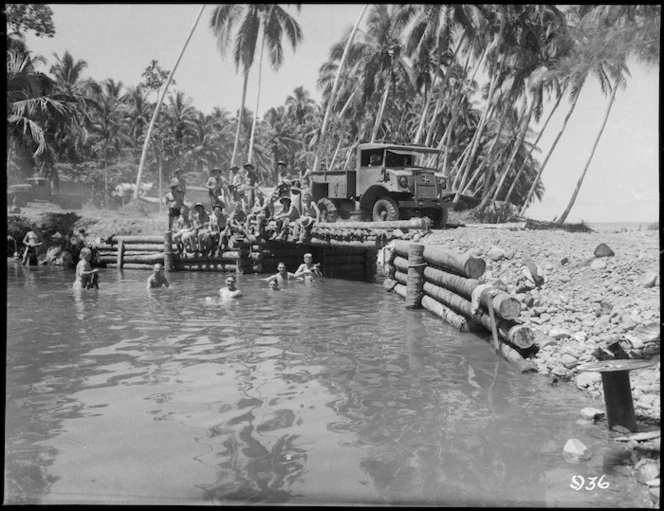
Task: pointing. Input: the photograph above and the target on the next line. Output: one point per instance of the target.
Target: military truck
(390, 182)
(69, 195)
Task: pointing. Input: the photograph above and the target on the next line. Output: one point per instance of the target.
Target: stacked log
(138, 251)
(449, 282)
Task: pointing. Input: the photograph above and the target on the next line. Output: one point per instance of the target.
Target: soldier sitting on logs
(219, 230)
(237, 220)
(201, 221)
(256, 210)
(309, 216)
(288, 214)
(183, 232)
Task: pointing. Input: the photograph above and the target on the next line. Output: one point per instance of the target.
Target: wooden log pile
(138, 251)
(450, 287)
(349, 259)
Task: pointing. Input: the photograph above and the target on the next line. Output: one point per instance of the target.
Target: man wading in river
(157, 279)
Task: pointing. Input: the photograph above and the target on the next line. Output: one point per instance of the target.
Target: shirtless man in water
(230, 291)
(86, 276)
(308, 268)
(157, 279)
(282, 275)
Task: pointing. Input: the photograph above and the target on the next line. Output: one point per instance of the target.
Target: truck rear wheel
(385, 209)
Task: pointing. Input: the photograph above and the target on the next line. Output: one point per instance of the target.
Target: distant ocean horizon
(619, 226)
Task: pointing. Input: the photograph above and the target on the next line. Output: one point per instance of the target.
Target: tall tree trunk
(490, 155)
(546, 160)
(457, 177)
(161, 100)
(331, 101)
(258, 96)
(563, 217)
(240, 117)
(161, 189)
(427, 102)
(334, 156)
(464, 170)
(379, 118)
(522, 135)
(106, 185)
(530, 152)
(441, 92)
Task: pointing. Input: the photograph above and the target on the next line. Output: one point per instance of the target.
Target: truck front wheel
(385, 209)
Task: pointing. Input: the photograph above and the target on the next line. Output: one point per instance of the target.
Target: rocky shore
(582, 307)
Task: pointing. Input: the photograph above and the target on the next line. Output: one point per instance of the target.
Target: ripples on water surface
(328, 394)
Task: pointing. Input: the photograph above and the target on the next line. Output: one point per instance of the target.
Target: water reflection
(329, 394)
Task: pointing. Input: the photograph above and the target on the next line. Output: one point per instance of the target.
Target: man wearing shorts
(174, 200)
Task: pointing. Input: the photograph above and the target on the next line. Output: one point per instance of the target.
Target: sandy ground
(586, 305)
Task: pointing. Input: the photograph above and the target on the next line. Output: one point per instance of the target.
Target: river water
(331, 393)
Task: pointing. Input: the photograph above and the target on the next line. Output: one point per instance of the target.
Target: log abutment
(447, 284)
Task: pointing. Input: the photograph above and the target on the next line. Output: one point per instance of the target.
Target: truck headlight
(403, 182)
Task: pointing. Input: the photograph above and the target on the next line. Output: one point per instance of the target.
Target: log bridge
(446, 284)
(344, 249)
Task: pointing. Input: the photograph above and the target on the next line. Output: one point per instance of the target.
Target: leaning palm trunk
(161, 100)
(455, 170)
(546, 160)
(351, 150)
(491, 153)
(465, 167)
(515, 149)
(336, 152)
(443, 87)
(530, 152)
(425, 109)
(563, 217)
(258, 97)
(331, 101)
(380, 112)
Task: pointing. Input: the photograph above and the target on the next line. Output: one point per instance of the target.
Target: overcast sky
(119, 41)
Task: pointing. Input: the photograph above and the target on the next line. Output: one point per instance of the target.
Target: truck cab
(389, 182)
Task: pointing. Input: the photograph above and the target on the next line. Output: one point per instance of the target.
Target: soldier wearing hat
(174, 199)
(309, 215)
(234, 183)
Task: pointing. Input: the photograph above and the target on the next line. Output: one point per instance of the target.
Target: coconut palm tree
(269, 20)
(325, 74)
(32, 100)
(300, 106)
(109, 135)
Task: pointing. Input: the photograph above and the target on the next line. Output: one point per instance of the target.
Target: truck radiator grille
(425, 191)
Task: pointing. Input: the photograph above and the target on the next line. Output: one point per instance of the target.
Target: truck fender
(371, 195)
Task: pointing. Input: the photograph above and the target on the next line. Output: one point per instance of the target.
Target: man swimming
(230, 291)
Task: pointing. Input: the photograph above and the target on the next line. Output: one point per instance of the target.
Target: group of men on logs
(237, 207)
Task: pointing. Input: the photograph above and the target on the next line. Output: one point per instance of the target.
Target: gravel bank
(585, 303)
